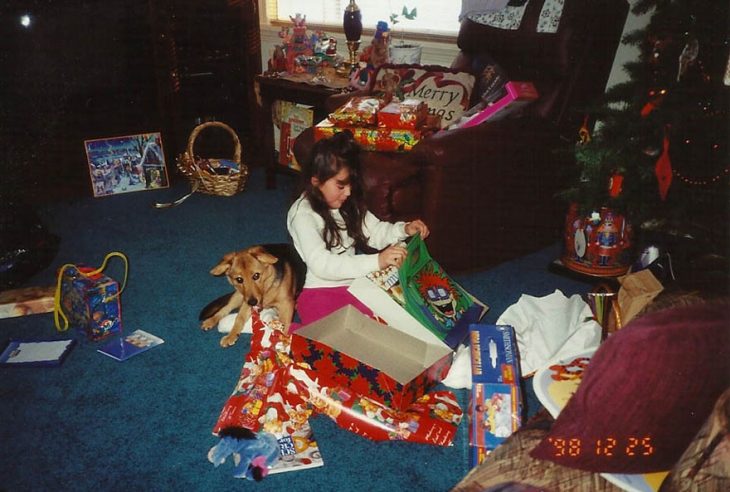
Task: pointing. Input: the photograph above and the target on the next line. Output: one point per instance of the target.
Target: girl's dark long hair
(328, 157)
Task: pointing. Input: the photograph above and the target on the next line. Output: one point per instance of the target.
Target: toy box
(25, 301)
(409, 114)
(496, 404)
(494, 416)
(494, 354)
(518, 95)
(91, 302)
(372, 138)
(350, 350)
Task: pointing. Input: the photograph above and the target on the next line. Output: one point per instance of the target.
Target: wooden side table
(270, 89)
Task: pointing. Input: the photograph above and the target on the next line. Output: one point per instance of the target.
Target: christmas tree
(659, 151)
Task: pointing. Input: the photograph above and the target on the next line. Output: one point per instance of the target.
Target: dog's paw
(208, 324)
(228, 341)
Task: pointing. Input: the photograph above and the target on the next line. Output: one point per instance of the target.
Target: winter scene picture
(125, 164)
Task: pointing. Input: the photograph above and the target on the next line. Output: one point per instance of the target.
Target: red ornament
(614, 185)
(584, 133)
(656, 99)
(663, 169)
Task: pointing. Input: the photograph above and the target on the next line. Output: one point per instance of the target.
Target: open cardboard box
(387, 364)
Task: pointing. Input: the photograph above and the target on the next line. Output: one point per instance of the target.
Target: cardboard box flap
(397, 354)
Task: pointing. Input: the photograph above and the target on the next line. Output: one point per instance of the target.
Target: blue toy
(253, 453)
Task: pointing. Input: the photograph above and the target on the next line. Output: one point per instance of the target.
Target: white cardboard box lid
(400, 355)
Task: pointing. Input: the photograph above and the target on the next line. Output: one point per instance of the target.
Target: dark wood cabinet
(207, 53)
(86, 69)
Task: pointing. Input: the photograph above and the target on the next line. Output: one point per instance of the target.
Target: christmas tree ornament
(663, 169)
(584, 133)
(687, 57)
(656, 97)
(615, 184)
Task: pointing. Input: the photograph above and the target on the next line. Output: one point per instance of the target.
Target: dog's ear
(261, 255)
(223, 266)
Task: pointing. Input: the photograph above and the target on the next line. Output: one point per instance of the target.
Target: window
(435, 17)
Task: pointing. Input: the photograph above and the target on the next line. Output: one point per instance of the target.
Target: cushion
(510, 17)
(645, 394)
(446, 92)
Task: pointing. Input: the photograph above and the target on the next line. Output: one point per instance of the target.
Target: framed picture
(125, 164)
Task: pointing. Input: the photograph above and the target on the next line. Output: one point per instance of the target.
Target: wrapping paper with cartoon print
(277, 395)
(432, 419)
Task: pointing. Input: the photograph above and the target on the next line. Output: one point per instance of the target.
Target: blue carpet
(145, 424)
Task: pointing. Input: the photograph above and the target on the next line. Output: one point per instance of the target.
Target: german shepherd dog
(265, 276)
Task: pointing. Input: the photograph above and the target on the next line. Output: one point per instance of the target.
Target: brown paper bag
(637, 290)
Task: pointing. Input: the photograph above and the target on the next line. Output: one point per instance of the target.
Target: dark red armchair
(488, 192)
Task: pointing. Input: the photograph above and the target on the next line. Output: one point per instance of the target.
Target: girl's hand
(392, 255)
(417, 226)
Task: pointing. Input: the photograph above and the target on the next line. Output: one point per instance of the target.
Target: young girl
(335, 234)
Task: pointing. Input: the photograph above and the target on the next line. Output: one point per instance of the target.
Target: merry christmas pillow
(446, 92)
(646, 392)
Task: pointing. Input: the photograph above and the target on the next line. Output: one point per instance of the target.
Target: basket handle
(203, 126)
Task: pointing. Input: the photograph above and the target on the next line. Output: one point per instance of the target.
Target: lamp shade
(352, 22)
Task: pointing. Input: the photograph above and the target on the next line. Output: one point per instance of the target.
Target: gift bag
(88, 300)
(435, 299)
(637, 290)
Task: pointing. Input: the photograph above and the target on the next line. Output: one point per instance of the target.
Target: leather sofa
(488, 192)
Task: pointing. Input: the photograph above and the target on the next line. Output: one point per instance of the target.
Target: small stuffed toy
(372, 57)
(377, 53)
(253, 453)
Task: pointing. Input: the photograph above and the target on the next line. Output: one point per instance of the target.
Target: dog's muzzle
(252, 301)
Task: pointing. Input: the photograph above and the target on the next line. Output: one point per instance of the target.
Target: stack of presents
(394, 126)
(374, 376)
(384, 122)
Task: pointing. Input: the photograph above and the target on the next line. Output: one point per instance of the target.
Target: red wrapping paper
(409, 114)
(277, 394)
(358, 111)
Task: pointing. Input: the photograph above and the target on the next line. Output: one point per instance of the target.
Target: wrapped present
(88, 300)
(408, 114)
(516, 95)
(349, 350)
(372, 138)
(358, 111)
(25, 301)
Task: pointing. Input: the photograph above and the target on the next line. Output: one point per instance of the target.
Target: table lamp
(352, 24)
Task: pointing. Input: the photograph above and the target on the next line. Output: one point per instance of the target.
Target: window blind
(435, 17)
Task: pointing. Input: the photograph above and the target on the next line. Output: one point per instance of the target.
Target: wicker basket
(201, 171)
